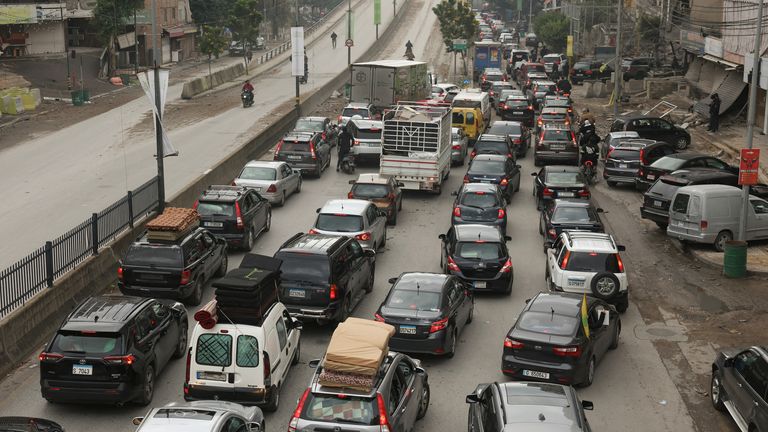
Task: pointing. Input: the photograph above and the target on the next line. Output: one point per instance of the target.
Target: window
(470, 118)
(212, 208)
(145, 323)
(395, 393)
(356, 250)
(680, 205)
(480, 199)
(715, 163)
(282, 333)
(145, 255)
(457, 118)
(593, 262)
(412, 299)
(489, 414)
(339, 222)
(214, 349)
(372, 214)
(234, 424)
(287, 171)
(754, 370)
(100, 344)
(160, 310)
(405, 370)
(548, 323)
(304, 267)
(760, 207)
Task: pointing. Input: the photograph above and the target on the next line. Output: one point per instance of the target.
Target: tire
(721, 239)
(222, 270)
(345, 310)
(282, 200)
(298, 186)
(249, 238)
(452, 351)
(622, 306)
(590, 378)
(471, 315)
(611, 183)
(541, 228)
(393, 222)
(616, 333)
(605, 285)
(682, 143)
(384, 239)
(268, 224)
(181, 346)
(196, 297)
(717, 392)
(424, 402)
(371, 279)
(662, 226)
(274, 400)
(147, 386)
(297, 354)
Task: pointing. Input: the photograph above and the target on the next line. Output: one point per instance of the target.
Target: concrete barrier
(203, 84)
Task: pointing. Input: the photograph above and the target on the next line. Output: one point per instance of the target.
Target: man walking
(333, 39)
(714, 113)
(345, 143)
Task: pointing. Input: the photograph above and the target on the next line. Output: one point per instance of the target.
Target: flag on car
(584, 321)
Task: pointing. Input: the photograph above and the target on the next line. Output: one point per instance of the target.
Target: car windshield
(557, 135)
(479, 250)
(668, 163)
(457, 117)
(479, 199)
(567, 177)
(258, 173)
(304, 267)
(368, 134)
(307, 125)
(553, 116)
(593, 262)
(548, 323)
(368, 190)
(214, 208)
(413, 299)
(486, 167)
(339, 222)
(150, 256)
(551, 58)
(516, 103)
(574, 215)
(508, 129)
(350, 112)
(492, 147)
(100, 344)
(346, 409)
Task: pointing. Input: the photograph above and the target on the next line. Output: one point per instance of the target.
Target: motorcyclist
(248, 92)
(564, 85)
(587, 116)
(247, 86)
(345, 144)
(588, 145)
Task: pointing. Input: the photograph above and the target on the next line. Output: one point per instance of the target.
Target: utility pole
(530, 17)
(349, 32)
(751, 115)
(135, 43)
(158, 126)
(617, 68)
(298, 82)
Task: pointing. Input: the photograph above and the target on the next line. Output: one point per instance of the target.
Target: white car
(356, 218)
(588, 263)
(366, 139)
(360, 109)
(273, 180)
(202, 416)
(440, 90)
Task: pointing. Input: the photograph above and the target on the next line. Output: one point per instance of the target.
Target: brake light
(272, 188)
(704, 224)
(350, 195)
(466, 179)
(126, 360)
(457, 212)
(267, 371)
(333, 293)
(517, 141)
(46, 356)
(456, 147)
(279, 146)
(391, 196)
(572, 351)
(530, 107)
(584, 193)
(548, 192)
(364, 236)
(452, 265)
(189, 364)
(312, 150)
(383, 419)
(564, 264)
(541, 122)
(473, 154)
(513, 344)
(120, 273)
(503, 106)
(552, 233)
(294, 423)
(186, 276)
(197, 202)
(339, 119)
(356, 142)
(504, 182)
(501, 214)
(588, 72)
(378, 317)
(620, 263)
(438, 325)
(507, 267)
(238, 216)
(312, 231)
(641, 172)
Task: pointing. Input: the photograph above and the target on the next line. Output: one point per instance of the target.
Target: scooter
(247, 98)
(348, 164)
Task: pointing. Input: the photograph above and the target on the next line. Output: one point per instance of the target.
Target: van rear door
(685, 213)
(211, 366)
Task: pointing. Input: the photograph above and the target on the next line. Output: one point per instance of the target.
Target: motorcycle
(588, 171)
(247, 98)
(348, 164)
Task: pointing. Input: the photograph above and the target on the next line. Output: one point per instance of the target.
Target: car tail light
(530, 107)
(457, 211)
(548, 192)
(466, 179)
(620, 263)
(356, 142)
(189, 365)
(238, 216)
(473, 154)
(272, 189)
(564, 264)
(501, 214)
(383, 419)
(642, 156)
(552, 233)
(364, 236)
(504, 182)
(572, 351)
(517, 141)
(704, 224)
(126, 360)
(491, 93)
(197, 202)
(438, 325)
(641, 172)
(378, 317)
(279, 146)
(52, 357)
(294, 423)
(186, 276)
(312, 231)
(312, 150)
(322, 136)
(452, 265)
(456, 147)
(267, 370)
(584, 193)
(540, 122)
(588, 72)
(511, 343)
(333, 292)
(610, 150)
(350, 195)
(120, 273)
(507, 267)
(503, 106)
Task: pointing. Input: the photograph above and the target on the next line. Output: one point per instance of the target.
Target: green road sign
(376, 12)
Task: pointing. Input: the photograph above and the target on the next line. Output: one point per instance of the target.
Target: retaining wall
(203, 84)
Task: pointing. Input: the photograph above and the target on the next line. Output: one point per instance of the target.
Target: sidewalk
(731, 138)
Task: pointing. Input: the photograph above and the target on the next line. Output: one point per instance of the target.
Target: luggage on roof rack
(173, 224)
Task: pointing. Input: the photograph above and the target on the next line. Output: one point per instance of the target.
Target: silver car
(202, 416)
(366, 135)
(398, 398)
(459, 145)
(274, 181)
(353, 218)
(364, 110)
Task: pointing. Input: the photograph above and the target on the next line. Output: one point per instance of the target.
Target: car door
(210, 254)
(343, 276)
(747, 388)
(261, 208)
(599, 334)
(294, 334)
(168, 331)
(757, 226)
(248, 211)
(554, 257)
(376, 223)
(513, 172)
(491, 414)
(283, 362)
(538, 183)
(462, 302)
(233, 424)
(358, 268)
(447, 245)
(148, 339)
(290, 179)
(411, 397)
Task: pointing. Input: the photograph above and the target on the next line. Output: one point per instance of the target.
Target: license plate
(656, 203)
(150, 276)
(407, 329)
(566, 194)
(479, 284)
(485, 181)
(518, 112)
(82, 370)
(294, 157)
(298, 293)
(214, 224)
(651, 177)
(535, 374)
(557, 147)
(576, 282)
(622, 165)
(211, 376)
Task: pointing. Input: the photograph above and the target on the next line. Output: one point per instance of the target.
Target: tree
(212, 12)
(552, 28)
(457, 21)
(244, 21)
(212, 44)
(109, 20)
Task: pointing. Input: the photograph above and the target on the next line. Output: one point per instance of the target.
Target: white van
(475, 99)
(710, 214)
(243, 363)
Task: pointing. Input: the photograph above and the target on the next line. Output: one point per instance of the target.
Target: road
(85, 167)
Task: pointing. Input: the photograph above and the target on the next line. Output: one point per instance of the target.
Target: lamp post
(158, 126)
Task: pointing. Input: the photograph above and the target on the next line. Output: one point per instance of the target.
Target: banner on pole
(147, 81)
(297, 51)
(749, 166)
(569, 46)
(376, 12)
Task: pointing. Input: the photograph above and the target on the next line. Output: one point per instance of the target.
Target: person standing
(333, 39)
(714, 113)
(345, 144)
(555, 72)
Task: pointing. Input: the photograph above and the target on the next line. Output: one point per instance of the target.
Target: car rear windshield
(664, 188)
(557, 103)
(414, 300)
(368, 134)
(347, 409)
(593, 262)
(363, 190)
(147, 255)
(350, 112)
(553, 116)
(486, 167)
(546, 88)
(508, 129)
(516, 103)
(100, 344)
(293, 146)
(493, 77)
(574, 215)
(582, 65)
(479, 250)
(339, 222)
(305, 125)
(479, 199)
(551, 58)
(304, 267)
(625, 154)
(258, 173)
(548, 323)
(184, 414)
(495, 147)
(668, 163)
(557, 135)
(563, 178)
(215, 208)
(214, 349)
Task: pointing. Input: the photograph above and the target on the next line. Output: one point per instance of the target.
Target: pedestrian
(345, 144)
(555, 72)
(714, 113)
(333, 39)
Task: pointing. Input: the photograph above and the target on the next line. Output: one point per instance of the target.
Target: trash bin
(77, 98)
(735, 259)
(126, 79)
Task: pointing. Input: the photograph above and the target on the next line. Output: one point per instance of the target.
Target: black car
(622, 162)
(495, 169)
(28, 424)
(234, 213)
(323, 277)
(317, 124)
(305, 151)
(552, 341)
(515, 406)
(516, 131)
(569, 214)
(494, 91)
(556, 144)
(176, 269)
(648, 174)
(480, 203)
(111, 348)
(428, 311)
(517, 108)
(590, 70)
(478, 254)
(558, 181)
(636, 67)
(492, 144)
(655, 128)
(739, 386)
(559, 102)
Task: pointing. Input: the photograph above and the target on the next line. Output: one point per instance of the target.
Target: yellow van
(469, 119)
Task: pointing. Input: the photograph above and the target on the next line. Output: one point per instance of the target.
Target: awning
(719, 60)
(729, 89)
(180, 30)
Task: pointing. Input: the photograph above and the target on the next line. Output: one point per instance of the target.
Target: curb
(717, 265)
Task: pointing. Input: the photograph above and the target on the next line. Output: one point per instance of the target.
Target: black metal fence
(38, 270)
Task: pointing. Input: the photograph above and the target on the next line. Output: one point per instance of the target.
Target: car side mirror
(587, 405)
(352, 182)
(137, 420)
(527, 301)
(507, 238)
(728, 362)
(392, 280)
(254, 427)
(317, 211)
(298, 325)
(533, 174)
(381, 213)
(297, 171)
(314, 363)
(442, 237)
(605, 317)
(549, 244)
(621, 248)
(369, 253)
(420, 370)
(473, 398)
(599, 210)
(455, 193)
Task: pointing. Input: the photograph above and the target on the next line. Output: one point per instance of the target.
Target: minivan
(710, 214)
(475, 99)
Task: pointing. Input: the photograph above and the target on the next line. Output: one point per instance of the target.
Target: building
(177, 32)
(32, 28)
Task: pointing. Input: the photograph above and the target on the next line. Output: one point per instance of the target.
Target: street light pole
(349, 32)
(617, 69)
(158, 126)
(298, 83)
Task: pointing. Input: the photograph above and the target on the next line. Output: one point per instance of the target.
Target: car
(275, 181)
(555, 59)
(360, 219)
(523, 76)
(558, 181)
(480, 203)
(317, 124)
(540, 89)
(553, 115)
(556, 143)
(588, 263)
(202, 416)
(569, 214)
(505, 93)
(235, 213)
(519, 55)
(383, 191)
(491, 75)
(636, 67)
(110, 349)
(440, 90)
(362, 109)
(428, 312)
(518, 405)
(517, 108)
(478, 255)
(655, 128)
(589, 69)
(623, 162)
(172, 269)
(366, 139)
(494, 93)
(495, 169)
(398, 398)
(557, 101)
(613, 138)
(459, 146)
(28, 424)
(533, 77)
(448, 98)
(558, 338)
(648, 174)
(519, 133)
(738, 386)
(305, 152)
(493, 144)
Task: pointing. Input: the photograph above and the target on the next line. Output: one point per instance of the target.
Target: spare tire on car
(605, 285)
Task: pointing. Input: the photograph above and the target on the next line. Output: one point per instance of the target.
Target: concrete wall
(46, 38)
(203, 84)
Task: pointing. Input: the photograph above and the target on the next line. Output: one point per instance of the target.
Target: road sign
(749, 166)
(349, 43)
(376, 12)
(459, 44)
(569, 46)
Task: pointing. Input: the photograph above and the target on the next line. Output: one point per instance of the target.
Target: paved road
(83, 168)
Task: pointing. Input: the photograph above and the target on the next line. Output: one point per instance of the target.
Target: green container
(77, 98)
(735, 259)
(126, 79)
(86, 95)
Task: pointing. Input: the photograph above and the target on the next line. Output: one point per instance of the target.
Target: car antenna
(553, 312)
(417, 288)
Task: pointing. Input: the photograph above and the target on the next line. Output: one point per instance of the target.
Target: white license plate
(407, 329)
(214, 224)
(657, 203)
(518, 112)
(294, 157)
(651, 177)
(479, 284)
(576, 282)
(556, 147)
(622, 165)
(535, 374)
(211, 376)
(298, 293)
(566, 194)
(82, 370)
(485, 181)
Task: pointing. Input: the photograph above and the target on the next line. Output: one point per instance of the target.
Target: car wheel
(148, 386)
(393, 219)
(611, 183)
(616, 334)
(274, 400)
(722, 238)
(344, 312)
(541, 225)
(181, 345)
(384, 239)
(248, 243)
(590, 378)
(623, 305)
(605, 285)
(717, 392)
(662, 226)
(196, 297)
(681, 143)
(424, 402)
(282, 199)
(298, 186)
(471, 315)
(452, 350)
(371, 278)
(268, 224)
(222, 270)
(297, 354)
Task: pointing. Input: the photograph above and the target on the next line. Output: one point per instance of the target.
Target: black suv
(517, 108)
(323, 276)
(493, 144)
(177, 270)
(623, 161)
(478, 254)
(655, 128)
(111, 348)
(305, 151)
(234, 213)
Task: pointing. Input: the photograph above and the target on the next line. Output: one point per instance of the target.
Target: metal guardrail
(38, 270)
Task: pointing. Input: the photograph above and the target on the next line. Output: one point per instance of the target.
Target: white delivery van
(710, 214)
(243, 363)
(474, 98)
